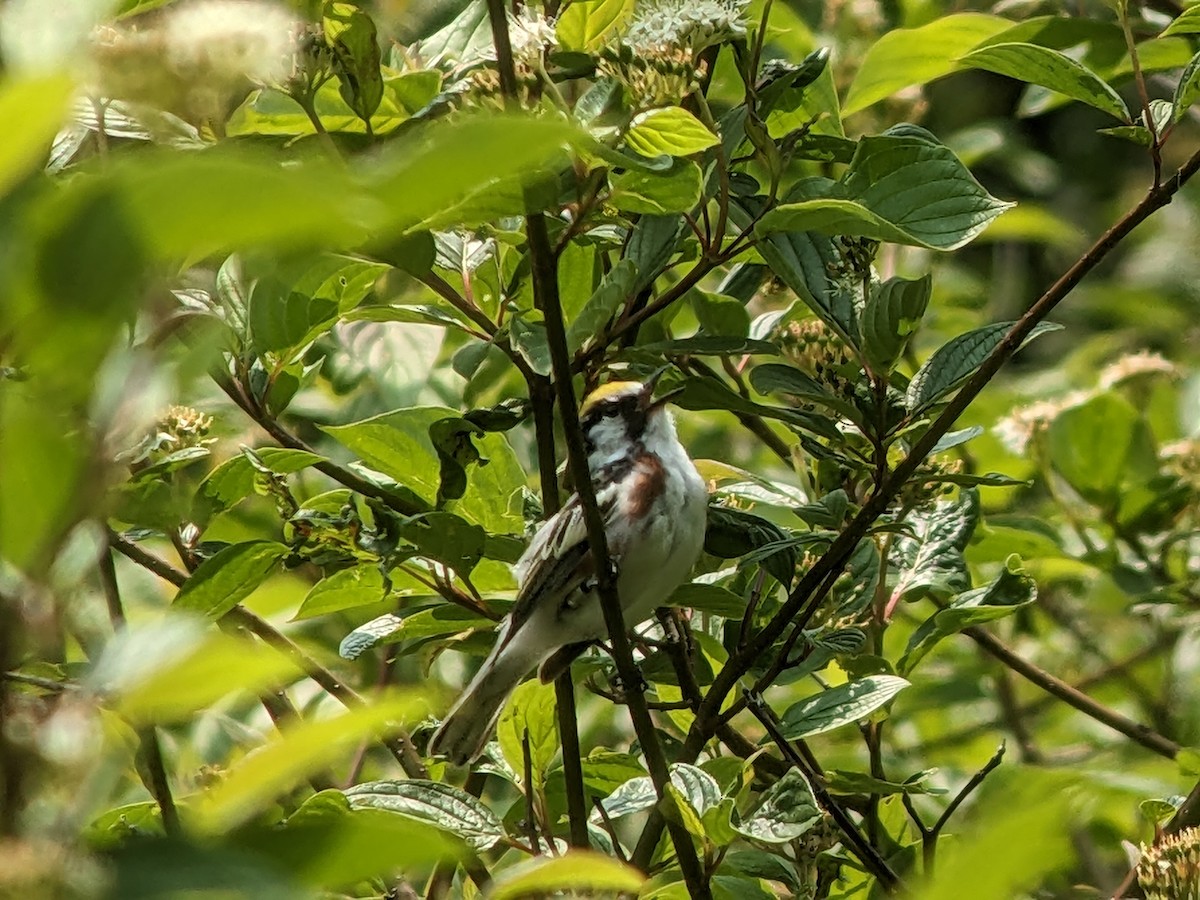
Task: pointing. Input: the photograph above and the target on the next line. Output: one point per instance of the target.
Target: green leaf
(708, 598)
(674, 191)
(440, 621)
(445, 807)
(446, 538)
(907, 56)
(165, 672)
(358, 586)
(669, 130)
(574, 871)
(892, 313)
(233, 480)
(781, 378)
(1050, 69)
(398, 444)
(1011, 590)
(1187, 22)
(683, 812)
(637, 794)
(929, 560)
(720, 316)
(651, 245)
(616, 288)
(1187, 92)
(281, 319)
(733, 533)
(287, 207)
(327, 845)
(696, 786)
(838, 706)
(350, 34)
(788, 810)
(710, 345)
(840, 782)
(299, 750)
(1102, 447)
(32, 110)
(531, 709)
(709, 393)
(1020, 821)
(585, 24)
(955, 360)
(902, 187)
(802, 261)
(223, 581)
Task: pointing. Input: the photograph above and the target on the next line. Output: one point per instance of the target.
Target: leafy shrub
(356, 274)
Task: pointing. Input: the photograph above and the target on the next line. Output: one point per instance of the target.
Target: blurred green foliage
(272, 374)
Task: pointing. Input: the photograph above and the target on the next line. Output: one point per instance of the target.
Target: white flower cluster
(1133, 365)
(685, 23)
(230, 38)
(531, 34)
(1019, 427)
(197, 56)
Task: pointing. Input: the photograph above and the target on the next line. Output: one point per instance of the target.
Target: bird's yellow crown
(605, 391)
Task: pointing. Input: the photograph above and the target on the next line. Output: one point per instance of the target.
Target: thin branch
(531, 824)
(1041, 704)
(285, 438)
(1135, 731)
(930, 835)
(968, 789)
(854, 839)
(545, 285)
(541, 396)
(45, 684)
(149, 748)
(612, 832)
(545, 289)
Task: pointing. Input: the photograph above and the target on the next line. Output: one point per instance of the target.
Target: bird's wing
(559, 558)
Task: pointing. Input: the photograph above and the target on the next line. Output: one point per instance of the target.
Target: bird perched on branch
(653, 502)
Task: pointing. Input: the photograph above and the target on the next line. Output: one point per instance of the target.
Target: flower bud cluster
(813, 348)
(657, 75)
(179, 428)
(1170, 870)
(928, 482)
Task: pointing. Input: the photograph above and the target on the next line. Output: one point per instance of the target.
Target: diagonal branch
(1072, 696)
(806, 597)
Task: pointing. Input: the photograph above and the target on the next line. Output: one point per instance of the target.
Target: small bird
(654, 506)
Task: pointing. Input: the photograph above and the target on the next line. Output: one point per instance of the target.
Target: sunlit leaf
(838, 706)
(32, 110)
(576, 870)
(531, 710)
(441, 805)
(1008, 592)
(585, 24)
(300, 749)
(223, 581)
(669, 130)
(908, 56)
(1050, 69)
(788, 809)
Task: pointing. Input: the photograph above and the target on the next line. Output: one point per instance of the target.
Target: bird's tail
(470, 722)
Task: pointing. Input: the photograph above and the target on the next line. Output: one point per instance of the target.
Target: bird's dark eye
(609, 412)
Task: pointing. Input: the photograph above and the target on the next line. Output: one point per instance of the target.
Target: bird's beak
(648, 401)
